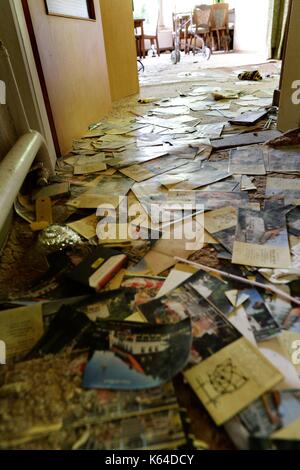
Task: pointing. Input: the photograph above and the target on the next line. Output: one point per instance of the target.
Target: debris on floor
(162, 258)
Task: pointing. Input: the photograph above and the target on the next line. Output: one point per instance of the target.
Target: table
(139, 23)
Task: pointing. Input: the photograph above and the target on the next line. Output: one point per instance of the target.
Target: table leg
(185, 39)
(143, 41)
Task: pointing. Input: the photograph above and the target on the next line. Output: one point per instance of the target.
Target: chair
(151, 33)
(219, 24)
(201, 24)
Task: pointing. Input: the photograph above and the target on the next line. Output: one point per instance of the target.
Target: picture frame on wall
(77, 9)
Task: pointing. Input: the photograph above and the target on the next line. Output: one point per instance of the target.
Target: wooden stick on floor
(243, 280)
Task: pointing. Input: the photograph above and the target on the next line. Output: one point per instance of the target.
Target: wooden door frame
(41, 76)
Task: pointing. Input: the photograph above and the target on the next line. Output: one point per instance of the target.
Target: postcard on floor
(21, 328)
(215, 290)
(118, 130)
(287, 187)
(262, 323)
(221, 224)
(210, 329)
(150, 140)
(169, 111)
(108, 192)
(171, 123)
(210, 199)
(261, 239)
(247, 161)
(86, 227)
(119, 305)
(135, 156)
(212, 131)
(230, 185)
(208, 174)
(138, 356)
(177, 175)
(284, 160)
(273, 415)
(161, 256)
(293, 222)
(85, 165)
(148, 170)
(231, 379)
(150, 193)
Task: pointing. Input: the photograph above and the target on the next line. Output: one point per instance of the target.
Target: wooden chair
(152, 36)
(201, 25)
(219, 24)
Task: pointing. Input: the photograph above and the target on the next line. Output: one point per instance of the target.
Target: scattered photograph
(137, 156)
(214, 290)
(284, 159)
(210, 329)
(138, 356)
(108, 192)
(211, 199)
(231, 379)
(248, 160)
(288, 188)
(119, 305)
(226, 238)
(208, 174)
(293, 222)
(261, 239)
(85, 165)
(260, 318)
(148, 170)
(272, 412)
(221, 224)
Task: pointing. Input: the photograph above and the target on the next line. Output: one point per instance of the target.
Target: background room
(237, 32)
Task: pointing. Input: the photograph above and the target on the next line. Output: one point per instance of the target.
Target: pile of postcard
(163, 257)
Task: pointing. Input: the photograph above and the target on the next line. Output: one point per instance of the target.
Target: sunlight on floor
(161, 70)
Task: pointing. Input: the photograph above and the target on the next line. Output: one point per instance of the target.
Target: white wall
(252, 26)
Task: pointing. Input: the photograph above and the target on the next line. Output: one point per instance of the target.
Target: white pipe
(15, 166)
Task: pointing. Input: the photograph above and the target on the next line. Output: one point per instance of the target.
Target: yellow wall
(118, 28)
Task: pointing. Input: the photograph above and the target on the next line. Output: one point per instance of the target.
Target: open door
(70, 56)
